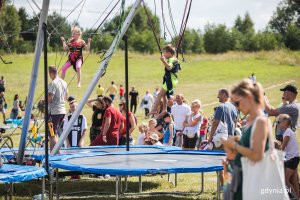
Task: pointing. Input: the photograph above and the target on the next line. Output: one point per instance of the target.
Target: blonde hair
(77, 29)
(152, 120)
(197, 102)
(246, 87)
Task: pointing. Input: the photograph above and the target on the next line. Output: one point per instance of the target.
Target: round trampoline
(141, 163)
(19, 173)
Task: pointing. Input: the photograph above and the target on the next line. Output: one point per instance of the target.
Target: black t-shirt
(134, 94)
(97, 117)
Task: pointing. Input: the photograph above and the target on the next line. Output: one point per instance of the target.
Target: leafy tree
(288, 11)
(10, 27)
(292, 37)
(217, 39)
(247, 25)
(29, 25)
(267, 41)
(238, 23)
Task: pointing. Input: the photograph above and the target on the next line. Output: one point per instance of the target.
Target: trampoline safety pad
(141, 163)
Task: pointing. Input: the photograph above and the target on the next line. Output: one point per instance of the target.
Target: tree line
(19, 30)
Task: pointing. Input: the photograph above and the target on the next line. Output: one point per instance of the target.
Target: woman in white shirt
(192, 126)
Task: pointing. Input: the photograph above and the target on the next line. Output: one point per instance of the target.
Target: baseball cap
(290, 88)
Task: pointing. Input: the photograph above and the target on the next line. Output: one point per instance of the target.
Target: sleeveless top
(75, 50)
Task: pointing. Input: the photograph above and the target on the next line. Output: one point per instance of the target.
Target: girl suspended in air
(75, 45)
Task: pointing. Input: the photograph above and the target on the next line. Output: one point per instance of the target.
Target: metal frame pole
(125, 38)
(46, 97)
(97, 76)
(35, 68)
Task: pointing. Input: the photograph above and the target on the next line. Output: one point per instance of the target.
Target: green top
(245, 142)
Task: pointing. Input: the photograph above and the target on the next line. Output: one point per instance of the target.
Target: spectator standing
(226, 112)
(111, 126)
(97, 117)
(2, 84)
(3, 106)
(249, 100)
(147, 103)
(292, 108)
(169, 130)
(100, 91)
(192, 126)
(112, 90)
(132, 124)
(57, 96)
(121, 92)
(180, 112)
(78, 130)
(203, 131)
(134, 99)
(16, 108)
(291, 148)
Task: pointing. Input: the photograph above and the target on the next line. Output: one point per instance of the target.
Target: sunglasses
(237, 103)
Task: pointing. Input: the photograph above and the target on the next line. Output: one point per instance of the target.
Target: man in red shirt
(111, 125)
(121, 92)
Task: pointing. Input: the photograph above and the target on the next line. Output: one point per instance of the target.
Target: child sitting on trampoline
(75, 45)
(170, 79)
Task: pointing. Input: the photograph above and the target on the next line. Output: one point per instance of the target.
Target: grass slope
(201, 78)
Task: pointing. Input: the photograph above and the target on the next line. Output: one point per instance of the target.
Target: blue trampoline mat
(39, 153)
(140, 163)
(19, 173)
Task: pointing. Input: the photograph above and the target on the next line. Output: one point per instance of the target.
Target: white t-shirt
(141, 139)
(291, 149)
(180, 112)
(59, 89)
(75, 128)
(148, 101)
(196, 128)
(158, 143)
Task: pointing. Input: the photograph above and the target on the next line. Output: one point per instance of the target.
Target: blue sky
(203, 11)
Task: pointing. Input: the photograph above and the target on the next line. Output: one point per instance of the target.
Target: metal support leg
(117, 187)
(140, 184)
(202, 183)
(218, 185)
(56, 185)
(175, 179)
(11, 190)
(51, 184)
(43, 188)
(168, 177)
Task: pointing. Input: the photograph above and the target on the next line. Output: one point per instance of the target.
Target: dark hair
(16, 97)
(170, 49)
(52, 69)
(107, 99)
(167, 115)
(112, 82)
(224, 91)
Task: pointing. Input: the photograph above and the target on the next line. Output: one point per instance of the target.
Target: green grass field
(201, 78)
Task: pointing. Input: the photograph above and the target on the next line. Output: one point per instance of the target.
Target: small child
(151, 124)
(169, 130)
(170, 79)
(75, 45)
(154, 139)
(142, 129)
(291, 149)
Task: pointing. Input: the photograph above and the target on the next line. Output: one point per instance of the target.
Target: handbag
(221, 132)
(264, 179)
